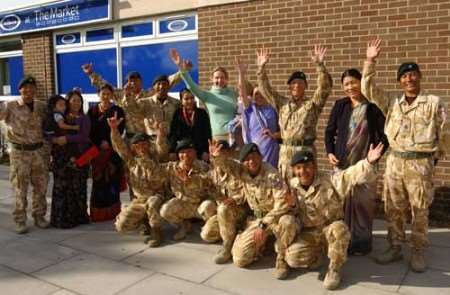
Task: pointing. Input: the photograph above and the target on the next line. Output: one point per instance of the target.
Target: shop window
(176, 25)
(68, 39)
(100, 35)
(137, 30)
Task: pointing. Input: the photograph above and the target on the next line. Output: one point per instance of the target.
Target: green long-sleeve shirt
(220, 102)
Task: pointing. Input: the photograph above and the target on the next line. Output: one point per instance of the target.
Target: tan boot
(155, 238)
(21, 228)
(281, 269)
(184, 229)
(392, 254)
(224, 254)
(41, 222)
(332, 279)
(418, 263)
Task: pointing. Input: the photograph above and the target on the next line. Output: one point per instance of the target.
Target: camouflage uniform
(320, 211)
(191, 196)
(297, 122)
(28, 157)
(417, 134)
(149, 181)
(163, 112)
(265, 194)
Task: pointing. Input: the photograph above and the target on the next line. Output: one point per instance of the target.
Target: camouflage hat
(248, 149)
(184, 144)
(27, 80)
(302, 157)
(139, 137)
(407, 67)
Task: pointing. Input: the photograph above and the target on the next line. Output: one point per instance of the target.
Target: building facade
(136, 35)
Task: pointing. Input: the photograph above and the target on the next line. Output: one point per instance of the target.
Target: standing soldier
(320, 202)
(148, 178)
(29, 164)
(266, 195)
(297, 116)
(189, 183)
(418, 134)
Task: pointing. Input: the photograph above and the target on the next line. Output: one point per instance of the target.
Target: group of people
(245, 163)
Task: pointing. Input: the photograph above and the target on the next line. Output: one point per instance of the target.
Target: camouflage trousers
(140, 210)
(224, 224)
(310, 244)
(175, 211)
(245, 251)
(286, 154)
(29, 167)
(408, 189)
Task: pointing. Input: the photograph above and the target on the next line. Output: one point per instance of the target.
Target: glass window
(11, 45)
(68, 39)
(136, 30)
(11, 71)
(100, 35)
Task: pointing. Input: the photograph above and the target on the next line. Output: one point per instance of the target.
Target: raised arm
(116, 140)
(97, 81)
(242, 83)
(273, 97)
(362, 172)
(218, 160)
(324, 81)
(368, 86)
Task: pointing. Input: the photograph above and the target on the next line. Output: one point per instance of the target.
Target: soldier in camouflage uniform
(192, 189)
(231, 211)
(148, 178)
(419, 134)
(266, 195)
(320, 200)
(297, 116)
(29, 163)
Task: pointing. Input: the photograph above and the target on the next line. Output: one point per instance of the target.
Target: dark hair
(351, 73)
(106, 86)
(72, 93)
(53, 100)
(183, 91)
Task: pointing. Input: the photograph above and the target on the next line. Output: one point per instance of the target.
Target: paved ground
(94, 259)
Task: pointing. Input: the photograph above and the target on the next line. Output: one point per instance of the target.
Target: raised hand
(175, 57)
(114, 122)
(214, 148)
(186, 65)
(87, 68)
(375, 154)
(318, 54)
(240, 66)
(373, 49)
(263, 56)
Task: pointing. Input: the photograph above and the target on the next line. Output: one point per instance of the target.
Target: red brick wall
(416, 30)
(38, 61)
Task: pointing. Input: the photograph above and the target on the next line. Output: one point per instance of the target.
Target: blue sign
(67, 13)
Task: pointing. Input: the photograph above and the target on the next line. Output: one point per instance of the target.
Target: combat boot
(418, 263)
(145, 230)
(316, 264)
(155, 238)
(281, 269)
(224, 254)
(393, 253)
(332, 279)
(21, 228)
(183, 230)
(41, 222)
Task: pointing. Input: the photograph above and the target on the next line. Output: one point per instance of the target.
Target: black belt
(299, 142)
(411, 155)
(27, 147)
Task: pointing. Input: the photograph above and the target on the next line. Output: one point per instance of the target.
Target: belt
(259, 213)
(299, 142)
(27, 147)
(411, 155)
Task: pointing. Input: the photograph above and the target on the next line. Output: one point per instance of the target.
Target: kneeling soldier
(269, 201)
(320, 201)
(147, 177)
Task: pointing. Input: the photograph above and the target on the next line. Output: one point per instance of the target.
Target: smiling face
(352, 87)
(305, 172)
(297, 89)
(187, 156)
(220, 79)
(135, 83)
(140, 148)
(258, 98)
(27, 92)
(410, 83)
(105, 95)
(75, 103)
(188, 101)
(60, 105)
(161, 88)
(253, 162)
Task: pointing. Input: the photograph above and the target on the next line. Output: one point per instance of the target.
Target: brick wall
(38, 61)
(415, 30)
